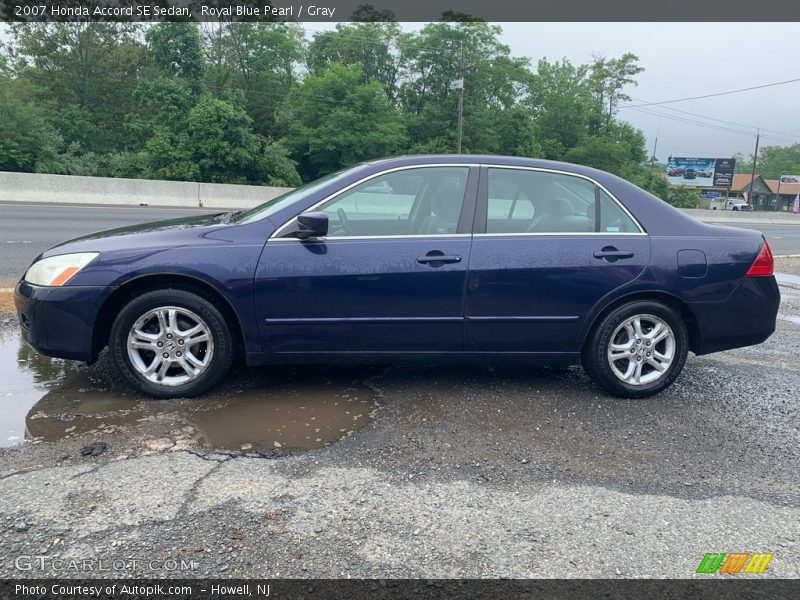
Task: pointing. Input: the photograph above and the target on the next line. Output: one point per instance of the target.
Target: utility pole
(653, 158)
(460, 101)
(753, 177)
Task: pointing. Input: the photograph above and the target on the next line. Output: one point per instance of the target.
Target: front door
(548, 246)
(389, 276)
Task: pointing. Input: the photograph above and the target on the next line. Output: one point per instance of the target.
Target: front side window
(419, 201)
(527, 201)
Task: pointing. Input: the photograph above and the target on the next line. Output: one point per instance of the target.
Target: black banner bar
(399, 10)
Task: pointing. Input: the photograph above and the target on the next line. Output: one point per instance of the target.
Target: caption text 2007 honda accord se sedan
(428, 258)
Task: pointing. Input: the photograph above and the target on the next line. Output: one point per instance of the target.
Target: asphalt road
(28, 229)
(783, 239)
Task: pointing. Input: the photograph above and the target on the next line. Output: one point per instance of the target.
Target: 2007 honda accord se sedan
(426, 258)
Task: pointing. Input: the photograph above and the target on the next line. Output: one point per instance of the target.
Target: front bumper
(60, 321)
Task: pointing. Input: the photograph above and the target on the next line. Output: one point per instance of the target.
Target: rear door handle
(611, 254)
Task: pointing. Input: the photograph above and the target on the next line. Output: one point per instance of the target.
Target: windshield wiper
(227, 217)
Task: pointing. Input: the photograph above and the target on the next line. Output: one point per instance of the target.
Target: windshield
(270, 207)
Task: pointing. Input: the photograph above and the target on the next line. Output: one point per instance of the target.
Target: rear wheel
(171, 343)
(637, 350)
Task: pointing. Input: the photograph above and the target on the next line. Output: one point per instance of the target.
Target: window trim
(468, 207)
(481, 217)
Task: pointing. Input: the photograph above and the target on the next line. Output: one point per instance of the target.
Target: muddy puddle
(297, 408)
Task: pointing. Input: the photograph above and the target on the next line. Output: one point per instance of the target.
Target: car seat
(445, 209)
(554, 210)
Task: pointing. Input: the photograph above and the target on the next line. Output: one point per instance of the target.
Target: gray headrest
(446, 204)
(559, 207)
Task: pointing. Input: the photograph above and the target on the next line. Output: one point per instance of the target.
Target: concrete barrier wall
(72, 189)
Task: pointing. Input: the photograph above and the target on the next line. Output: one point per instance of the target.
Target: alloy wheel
(641, 349)
(170, 346)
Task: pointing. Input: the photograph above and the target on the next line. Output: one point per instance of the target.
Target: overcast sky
(680, 60)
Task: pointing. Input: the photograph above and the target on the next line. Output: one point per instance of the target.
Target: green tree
(277, 166)
(774, 161)
(160, 125)
(609, 77)
(25, 135)
(372, 46)
(683, 197)
(562, 106)
(84, 75)
(334, 119)
(221, 142)
(260, 60)
(494, 85)
(177, 51)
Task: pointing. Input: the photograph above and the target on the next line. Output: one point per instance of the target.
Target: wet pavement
(436, 471)
(256, 410)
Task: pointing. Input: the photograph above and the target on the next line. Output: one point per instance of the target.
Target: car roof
(488, 159)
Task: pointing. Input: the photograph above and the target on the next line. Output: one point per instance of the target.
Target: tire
(198, 353)
(632, 349)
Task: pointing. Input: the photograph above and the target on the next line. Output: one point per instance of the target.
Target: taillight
(763, 265)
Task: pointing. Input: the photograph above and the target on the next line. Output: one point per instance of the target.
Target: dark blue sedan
(426, 258)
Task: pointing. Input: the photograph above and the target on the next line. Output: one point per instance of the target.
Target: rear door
(547, 247)
(388, 277)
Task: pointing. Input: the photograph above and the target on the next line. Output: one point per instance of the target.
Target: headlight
(57, 270)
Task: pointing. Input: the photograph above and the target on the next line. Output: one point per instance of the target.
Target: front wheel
(171, 343)
(637, 350)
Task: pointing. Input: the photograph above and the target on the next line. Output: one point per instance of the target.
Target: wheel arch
(145, 283)
(680, 306)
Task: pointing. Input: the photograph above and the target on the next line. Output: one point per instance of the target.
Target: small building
(783, 195)
(757, 194)
(764, 194)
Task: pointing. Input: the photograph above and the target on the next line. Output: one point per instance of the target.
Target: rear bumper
(59, 321)
(747, 317)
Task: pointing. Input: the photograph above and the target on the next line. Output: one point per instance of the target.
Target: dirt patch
(788, 265)
(6, 296)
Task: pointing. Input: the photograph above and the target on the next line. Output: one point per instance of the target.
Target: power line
(754, 127)
(747, 89)
(694, 122)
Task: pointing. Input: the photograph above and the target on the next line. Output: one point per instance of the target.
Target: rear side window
(612, 218)
(527, 201)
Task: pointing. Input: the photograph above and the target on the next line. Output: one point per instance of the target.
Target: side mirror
(312, 225)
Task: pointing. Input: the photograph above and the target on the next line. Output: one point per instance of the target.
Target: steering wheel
(344, 221)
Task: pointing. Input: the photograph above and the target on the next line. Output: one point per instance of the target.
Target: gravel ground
(788, 265)
(463, 472)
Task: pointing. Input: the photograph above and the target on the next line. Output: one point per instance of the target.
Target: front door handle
(435, 258)
(611, 254)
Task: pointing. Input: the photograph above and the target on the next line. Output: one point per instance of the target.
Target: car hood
(144, 235)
